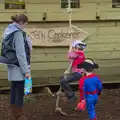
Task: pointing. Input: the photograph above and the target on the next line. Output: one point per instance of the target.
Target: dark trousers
(66, 79)
(17, 93)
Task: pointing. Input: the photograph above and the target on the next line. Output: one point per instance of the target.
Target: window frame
(75, 4)
(14, 5)
(115, 3)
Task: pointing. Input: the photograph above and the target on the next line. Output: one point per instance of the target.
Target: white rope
(58, 94)
(69, 11)
(58, 109)
(80, 29)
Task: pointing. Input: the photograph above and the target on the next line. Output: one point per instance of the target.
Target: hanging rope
(58, 94)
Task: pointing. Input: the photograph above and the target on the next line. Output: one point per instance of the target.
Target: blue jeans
(17, 93)
(66, 79)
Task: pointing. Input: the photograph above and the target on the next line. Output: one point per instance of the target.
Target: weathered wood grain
(48, 66)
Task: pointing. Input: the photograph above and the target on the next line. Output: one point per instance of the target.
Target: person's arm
(20, 52)
(81, 88)
(99, 85)
(72, 55)
(70, 48)
(29, 41)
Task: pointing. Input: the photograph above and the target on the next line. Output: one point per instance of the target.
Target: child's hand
(66, 72)
(81, 105)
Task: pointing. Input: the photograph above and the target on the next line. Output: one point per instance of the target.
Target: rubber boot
(20, 114)
(17, 113)
(72, 98)
(13, 111)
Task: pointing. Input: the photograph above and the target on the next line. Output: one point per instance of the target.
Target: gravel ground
(40, 107)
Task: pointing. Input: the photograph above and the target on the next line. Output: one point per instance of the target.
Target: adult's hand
(27, 75)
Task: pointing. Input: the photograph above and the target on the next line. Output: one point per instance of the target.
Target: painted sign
(59, 36)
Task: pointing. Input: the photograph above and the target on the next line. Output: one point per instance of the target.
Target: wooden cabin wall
(36, 9)
(48, 64)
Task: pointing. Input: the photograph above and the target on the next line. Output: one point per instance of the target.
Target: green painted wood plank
(49, 57)
(55, 81)
(108, 71)
(58, 73)
(104, 55)
(103, 47)
(49, 66)
(51, 50)
(105, 79)
(88, 24)
(38, 73)
(94, 24)
(105, 39)
(107, 74)
(43, 66)
(4, 83)
(36, 81)
(111, 70)
(3, 75)
(108, 31)
(39, 53)
(63, 65)
(114, 70)
(63, 57)
(96, 47)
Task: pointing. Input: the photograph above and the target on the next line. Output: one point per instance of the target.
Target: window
(74, 3)
(115, 3)
(14, 4)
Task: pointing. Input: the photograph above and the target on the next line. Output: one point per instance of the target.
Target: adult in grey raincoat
(16, 52)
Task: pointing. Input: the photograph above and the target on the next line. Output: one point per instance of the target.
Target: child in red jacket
(76, 56)
(90, 87)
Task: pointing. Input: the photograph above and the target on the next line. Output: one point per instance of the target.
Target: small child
(29, 41)
(90, 88)
(76, 56)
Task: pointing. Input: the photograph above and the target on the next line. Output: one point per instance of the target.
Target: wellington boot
(18, 113)
(13, 111)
